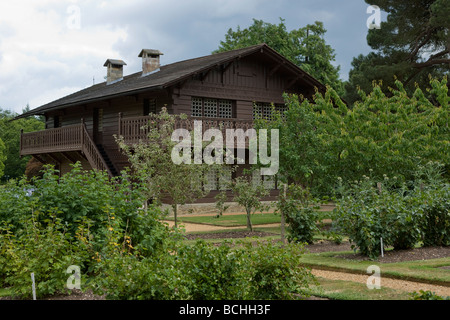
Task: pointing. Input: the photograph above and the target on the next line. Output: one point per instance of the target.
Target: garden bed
(391, 256)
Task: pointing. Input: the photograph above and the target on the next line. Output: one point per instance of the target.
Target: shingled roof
(167, 76)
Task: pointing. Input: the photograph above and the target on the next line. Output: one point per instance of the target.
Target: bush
(371, 213)
(79, 219)
(300, 213)
(203, 271)
(426, 295)
(402, 213)
(435, 224)
(277, 273)
(45, 250)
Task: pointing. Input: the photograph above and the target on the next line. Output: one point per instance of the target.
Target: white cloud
(42, 52)
(50, 48)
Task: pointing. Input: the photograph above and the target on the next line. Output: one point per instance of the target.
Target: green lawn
(347, 290)
(235, 220)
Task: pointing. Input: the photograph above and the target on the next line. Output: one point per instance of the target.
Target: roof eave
(73, 104)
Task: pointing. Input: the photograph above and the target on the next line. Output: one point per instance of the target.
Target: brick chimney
(150, 60)
(114, 71)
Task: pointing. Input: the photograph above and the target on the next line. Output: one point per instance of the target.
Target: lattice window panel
(196, 107)
(267, 111)
(225, 109)
(210, 108)
(211, 177)
(281, 108)
(269, 182)
(225, 180)
(257, 111)
(256, 178)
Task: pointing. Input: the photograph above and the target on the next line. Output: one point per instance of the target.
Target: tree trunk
(249, 222)
(174, 207)
(283, 220)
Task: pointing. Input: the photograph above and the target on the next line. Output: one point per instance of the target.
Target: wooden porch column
(82, 133)
(120, 124)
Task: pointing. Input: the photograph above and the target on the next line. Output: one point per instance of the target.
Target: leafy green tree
(323, 139)
(10, 134)
(2, 157)
(248, 194)
(305, 47)
(412, 44)
(151, 160)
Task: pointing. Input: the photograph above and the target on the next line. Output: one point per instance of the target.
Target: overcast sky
(51, 48)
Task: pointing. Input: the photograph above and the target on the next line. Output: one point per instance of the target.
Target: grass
(5, 292)
(347, 290)
(423, 270)
(234, 220)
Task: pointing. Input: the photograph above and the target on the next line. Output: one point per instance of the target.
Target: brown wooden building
(221, 87)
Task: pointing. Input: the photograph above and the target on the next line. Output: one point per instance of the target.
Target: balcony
(60, 140)
(133, 128)
(75, 138)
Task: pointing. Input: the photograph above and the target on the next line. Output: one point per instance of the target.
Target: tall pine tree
(412, 44)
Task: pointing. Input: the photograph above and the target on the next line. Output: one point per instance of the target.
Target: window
(269, 182)
(197, 107)
(100, 120)
(212, 181)
(211, 108)
(218, 181)
(264, 110)
(57, 121)
(149, 106)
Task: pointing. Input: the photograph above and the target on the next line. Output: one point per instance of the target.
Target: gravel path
(408, 286)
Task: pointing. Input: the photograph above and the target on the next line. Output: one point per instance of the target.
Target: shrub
(371, 213)
(45, 250)
(203, 271)
(79, 219)
(277, 273)
(426, 295)
(402, 213)
(435, 224)
(301, 215)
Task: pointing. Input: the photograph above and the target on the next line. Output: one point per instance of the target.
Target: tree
(248, 194)
(305, 47)
(152, 163)
(411, 45)
(323, 139)
(2, 157)
(10, 134)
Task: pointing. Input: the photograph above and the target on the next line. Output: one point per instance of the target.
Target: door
(98, 126)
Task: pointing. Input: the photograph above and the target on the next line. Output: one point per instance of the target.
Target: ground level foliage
(376, 215)
(123, 249)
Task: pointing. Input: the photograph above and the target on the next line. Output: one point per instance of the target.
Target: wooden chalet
(229, 87)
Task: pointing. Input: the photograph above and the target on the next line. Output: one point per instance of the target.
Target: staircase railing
(91, 151)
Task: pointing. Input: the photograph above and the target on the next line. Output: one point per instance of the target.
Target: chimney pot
(114, 71)
(150, 60)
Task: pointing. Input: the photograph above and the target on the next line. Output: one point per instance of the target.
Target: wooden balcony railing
(64, 139)
(133, 128)
(51, 140)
